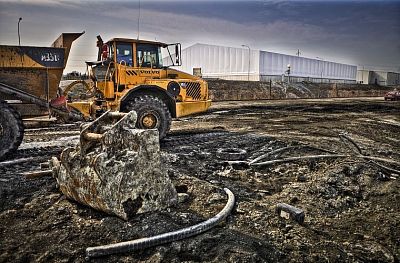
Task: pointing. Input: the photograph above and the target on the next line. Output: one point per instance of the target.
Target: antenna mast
(138, 23)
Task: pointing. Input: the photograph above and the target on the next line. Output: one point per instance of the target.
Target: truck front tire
(11, 130)
(152, 113)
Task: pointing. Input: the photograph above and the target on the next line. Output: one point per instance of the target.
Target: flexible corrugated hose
(146, 242)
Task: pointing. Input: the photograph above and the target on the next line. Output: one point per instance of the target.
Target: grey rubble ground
(351, 205)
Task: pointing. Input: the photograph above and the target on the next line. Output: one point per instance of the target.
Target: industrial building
(256, 65)
(382, 78)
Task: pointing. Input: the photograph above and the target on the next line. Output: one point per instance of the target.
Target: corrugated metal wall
(232, 64)
(364, 76)
(221, 62)
(383, 78)
(393, 79)
(276, 64)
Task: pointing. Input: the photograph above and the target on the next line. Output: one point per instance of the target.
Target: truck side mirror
(177, 53)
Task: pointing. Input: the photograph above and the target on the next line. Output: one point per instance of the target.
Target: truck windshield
(149, 56)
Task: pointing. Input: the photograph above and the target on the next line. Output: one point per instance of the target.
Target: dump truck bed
(28, 71)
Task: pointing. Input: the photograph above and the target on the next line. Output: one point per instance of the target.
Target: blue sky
(364, 33)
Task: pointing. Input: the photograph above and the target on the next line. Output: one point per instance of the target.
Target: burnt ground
(352, 206)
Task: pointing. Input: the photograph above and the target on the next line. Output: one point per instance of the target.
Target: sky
(365, 33)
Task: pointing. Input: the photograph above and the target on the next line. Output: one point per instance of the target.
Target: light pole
(322, 71)
(288, 73)
(19, 37)
(248, 70)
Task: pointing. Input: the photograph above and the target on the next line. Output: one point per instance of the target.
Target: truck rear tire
(11, 130)
(152, 113)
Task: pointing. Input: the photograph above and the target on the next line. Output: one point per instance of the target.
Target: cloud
(343, 31)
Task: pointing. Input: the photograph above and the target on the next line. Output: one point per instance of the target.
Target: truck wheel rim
(149, 121)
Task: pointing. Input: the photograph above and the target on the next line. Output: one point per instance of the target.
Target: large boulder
(115, 168)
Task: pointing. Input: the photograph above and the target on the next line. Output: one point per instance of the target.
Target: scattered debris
(39, 224)
(299, 158)
(290, 212)
(21, 160)
(271, 153)
(238, 165)
(344, 137)
(231, 154)
(38, 174)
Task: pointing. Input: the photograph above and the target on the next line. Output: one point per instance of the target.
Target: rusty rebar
(38, 174)
(91, 136)
(23, 160)
(298, 158)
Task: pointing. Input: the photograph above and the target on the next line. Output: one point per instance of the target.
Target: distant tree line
(75, 75)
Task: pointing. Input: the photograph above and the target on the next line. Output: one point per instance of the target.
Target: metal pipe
(117, 115)
(295, 213)
(24, 96)
(38, 174)
(48, 91)
(343, 136)
(146, 242)
(299, 158)
(271, 153)
(23, 160)
(322, 71)
(91, 136)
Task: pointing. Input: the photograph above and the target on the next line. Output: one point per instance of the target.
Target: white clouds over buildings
(364, 32)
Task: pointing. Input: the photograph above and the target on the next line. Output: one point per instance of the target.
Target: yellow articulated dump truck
(29, 80)
(129, 74)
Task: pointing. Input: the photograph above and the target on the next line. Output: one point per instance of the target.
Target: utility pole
(19, 37)
(248, 70)
(298, 52)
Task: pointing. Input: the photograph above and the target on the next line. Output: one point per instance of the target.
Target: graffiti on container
(50, 57)
(45, 56)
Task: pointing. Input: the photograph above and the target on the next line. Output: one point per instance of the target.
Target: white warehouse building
(383, 78)
(233, 64)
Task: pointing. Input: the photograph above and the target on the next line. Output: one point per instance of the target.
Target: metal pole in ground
(322, 70)
(248, 69)
(270, 89)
